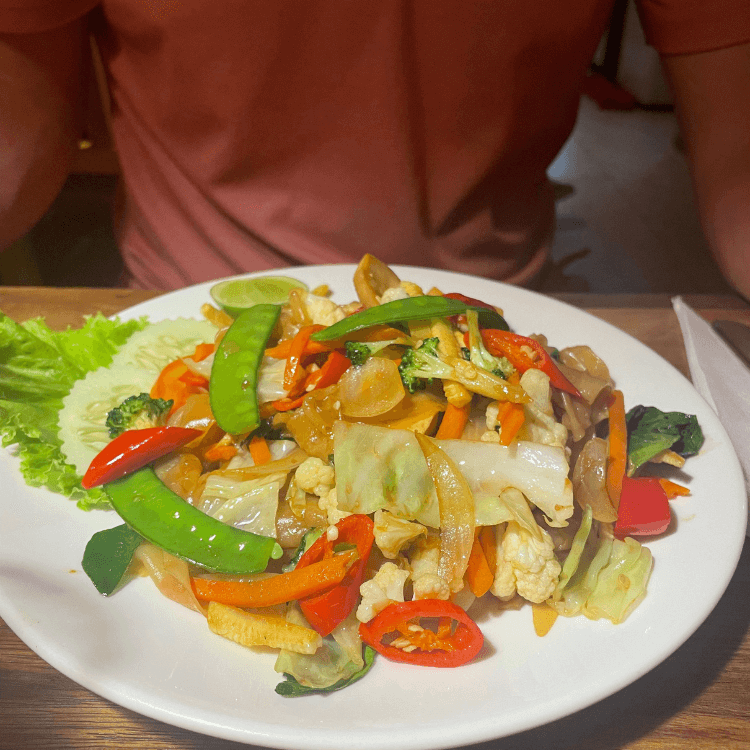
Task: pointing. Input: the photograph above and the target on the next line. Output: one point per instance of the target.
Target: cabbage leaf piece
(602, 577)
(381, 468)
(335, 664)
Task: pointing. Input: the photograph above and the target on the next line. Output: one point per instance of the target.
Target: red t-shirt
(256, 135)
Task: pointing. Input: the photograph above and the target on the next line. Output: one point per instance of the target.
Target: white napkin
(720, 377)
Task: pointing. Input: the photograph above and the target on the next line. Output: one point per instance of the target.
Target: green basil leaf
(651, 431)
(108, 555)
(292, 689)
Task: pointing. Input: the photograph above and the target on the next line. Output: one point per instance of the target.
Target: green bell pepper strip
(233, 387)
(108, 555)
(404, 310)
(162, 517)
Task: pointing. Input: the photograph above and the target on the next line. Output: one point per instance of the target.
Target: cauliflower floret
(323, 311)
(530, 561)
(393, 293)
(540, 425)
(393, 533)
(402, 291)
(431, 586)
(328, 503)
(424, 560)
(315, 476)
(386, 586)
(504, 585)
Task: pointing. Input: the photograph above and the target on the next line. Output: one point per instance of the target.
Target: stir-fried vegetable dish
(335, 481)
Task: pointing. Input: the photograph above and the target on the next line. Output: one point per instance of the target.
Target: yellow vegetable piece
(544, 618)
(252, 629)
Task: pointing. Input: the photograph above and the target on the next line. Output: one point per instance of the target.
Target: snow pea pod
(233, 385)
(162, 517)
(404, 310)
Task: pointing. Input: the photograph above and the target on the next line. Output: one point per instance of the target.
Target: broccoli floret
(137, 413)
(478, 354)
(420, 366)
(359, 352)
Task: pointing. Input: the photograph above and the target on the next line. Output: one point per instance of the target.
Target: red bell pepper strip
(333, 368)
(325, 611)
(644, 508)
(509, 345)
(456, 319)
(132, 450)
(446, 647)
(469, 300)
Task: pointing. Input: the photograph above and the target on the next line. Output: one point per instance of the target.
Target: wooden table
(699, 698)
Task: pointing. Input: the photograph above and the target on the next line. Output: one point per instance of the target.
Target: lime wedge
(236, 295)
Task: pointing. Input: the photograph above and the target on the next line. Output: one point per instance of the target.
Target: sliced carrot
(287, 404)
(487, 540)
(286, 587)
(618, 448)
(293, 372)
(202, 351)
(543, 617)
(220, 452)
(479, 577)
(177, 382)
(453, 423)
(283, 348)
(511, 418)
(673, 489)
(259, 451)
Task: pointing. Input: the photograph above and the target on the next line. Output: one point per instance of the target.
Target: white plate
(159, 659)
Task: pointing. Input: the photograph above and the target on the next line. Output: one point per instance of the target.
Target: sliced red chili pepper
(132, 450)
(414, 644)
(325, 611)
(644, 508)
(510, 345)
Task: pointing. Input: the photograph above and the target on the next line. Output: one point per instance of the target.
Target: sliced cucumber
(161, 343)
(81, 420)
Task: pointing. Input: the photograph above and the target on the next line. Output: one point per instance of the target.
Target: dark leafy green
(651, 431)
(108, 555)
(292, 689)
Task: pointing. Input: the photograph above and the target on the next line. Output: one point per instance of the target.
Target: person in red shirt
(256, 135)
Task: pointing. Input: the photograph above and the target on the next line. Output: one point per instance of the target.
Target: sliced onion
(170, 574)
(457, 514)
(195, 413)
(589, 480)
(181, 473)
(372, 389)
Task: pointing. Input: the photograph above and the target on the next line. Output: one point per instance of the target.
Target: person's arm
(40, 84)
(712, 100)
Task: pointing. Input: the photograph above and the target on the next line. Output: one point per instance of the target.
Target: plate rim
(321, 738)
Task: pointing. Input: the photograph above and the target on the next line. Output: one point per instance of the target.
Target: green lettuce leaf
(38, 367)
